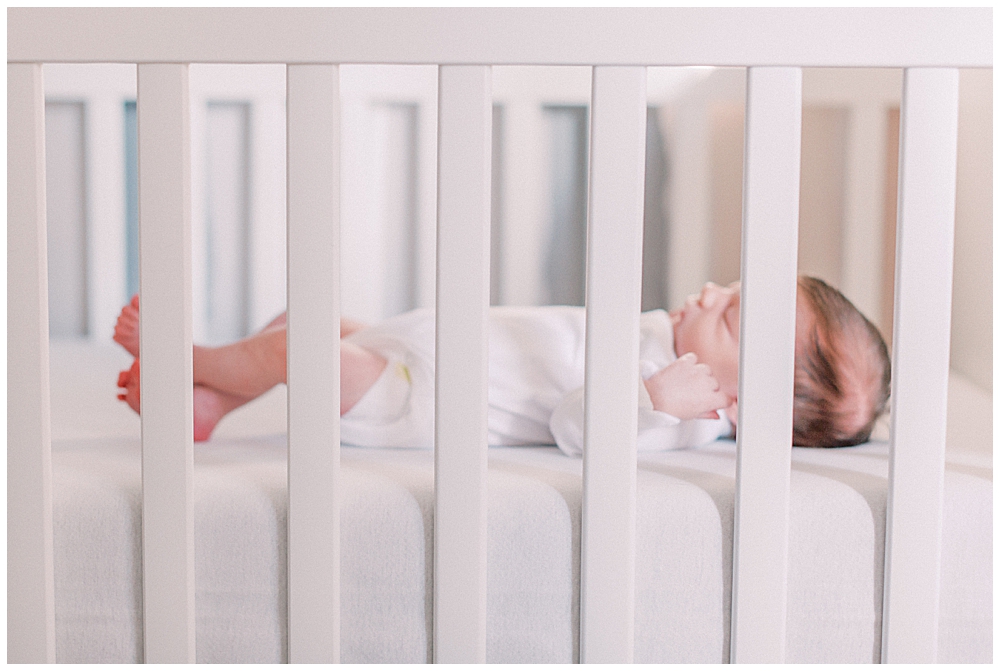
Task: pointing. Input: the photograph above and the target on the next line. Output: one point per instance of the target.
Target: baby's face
(709, 326)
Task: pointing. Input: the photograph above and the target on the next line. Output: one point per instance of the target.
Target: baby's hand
(686, 389)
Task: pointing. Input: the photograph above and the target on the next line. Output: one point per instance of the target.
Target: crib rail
(30, 580)
(463, 292)
(614, 261)
(782, 41)
(313, 363)
(924, 246)
(166, 374)
(767, 346)
(893, 37)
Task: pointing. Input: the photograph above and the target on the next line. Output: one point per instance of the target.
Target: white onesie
(536, 364)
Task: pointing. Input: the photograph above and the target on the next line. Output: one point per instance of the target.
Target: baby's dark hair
(841, 370)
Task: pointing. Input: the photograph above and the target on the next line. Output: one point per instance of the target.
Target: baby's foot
(209, 405)
(209, 408)
(127, 327)
(129, 381)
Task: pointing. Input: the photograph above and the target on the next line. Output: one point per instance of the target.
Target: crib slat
(614, 262)
(30, 604)
(921, 339)
(767, 350)
(463, 289)
(165, 349)
(313, 363)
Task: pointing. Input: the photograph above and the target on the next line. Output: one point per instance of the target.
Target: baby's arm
(686, 389)
(657, 431)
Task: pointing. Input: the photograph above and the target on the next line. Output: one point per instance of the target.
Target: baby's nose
(710, 293)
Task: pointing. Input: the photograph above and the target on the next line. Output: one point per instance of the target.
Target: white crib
(773, 44)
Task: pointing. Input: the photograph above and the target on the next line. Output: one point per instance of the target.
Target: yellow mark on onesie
(403, 372)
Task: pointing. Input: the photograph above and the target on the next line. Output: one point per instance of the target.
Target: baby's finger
(705, 374)
(709, 415)
(717, 400)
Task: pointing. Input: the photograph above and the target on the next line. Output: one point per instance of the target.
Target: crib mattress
(683, 571)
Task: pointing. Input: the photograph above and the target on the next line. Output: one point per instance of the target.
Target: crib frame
(928, 43)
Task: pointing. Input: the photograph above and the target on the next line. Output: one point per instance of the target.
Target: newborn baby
(689, 362)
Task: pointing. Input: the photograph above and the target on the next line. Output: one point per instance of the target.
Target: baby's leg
(249, 367)
(246, 368)
(347, 326)
(127, 327)
(229, 376)
(210, 405)
(280, 320)
(360, 368)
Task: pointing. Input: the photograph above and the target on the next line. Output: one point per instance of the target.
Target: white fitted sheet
(684, 538)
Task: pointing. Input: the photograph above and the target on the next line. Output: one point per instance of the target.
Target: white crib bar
(463, 286)
(30, 601)
(614, 262)
(313, 363)
(165, 348)
(767, 346)
(921, 336)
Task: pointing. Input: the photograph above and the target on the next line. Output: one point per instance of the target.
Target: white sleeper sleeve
(657, 431)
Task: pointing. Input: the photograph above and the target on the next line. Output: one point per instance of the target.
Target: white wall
(389, 189)
(972, 297)
(102, 91)
(66, 216)
(237, 202)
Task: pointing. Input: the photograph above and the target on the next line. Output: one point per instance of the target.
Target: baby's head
(841, 369)
(841, 361)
